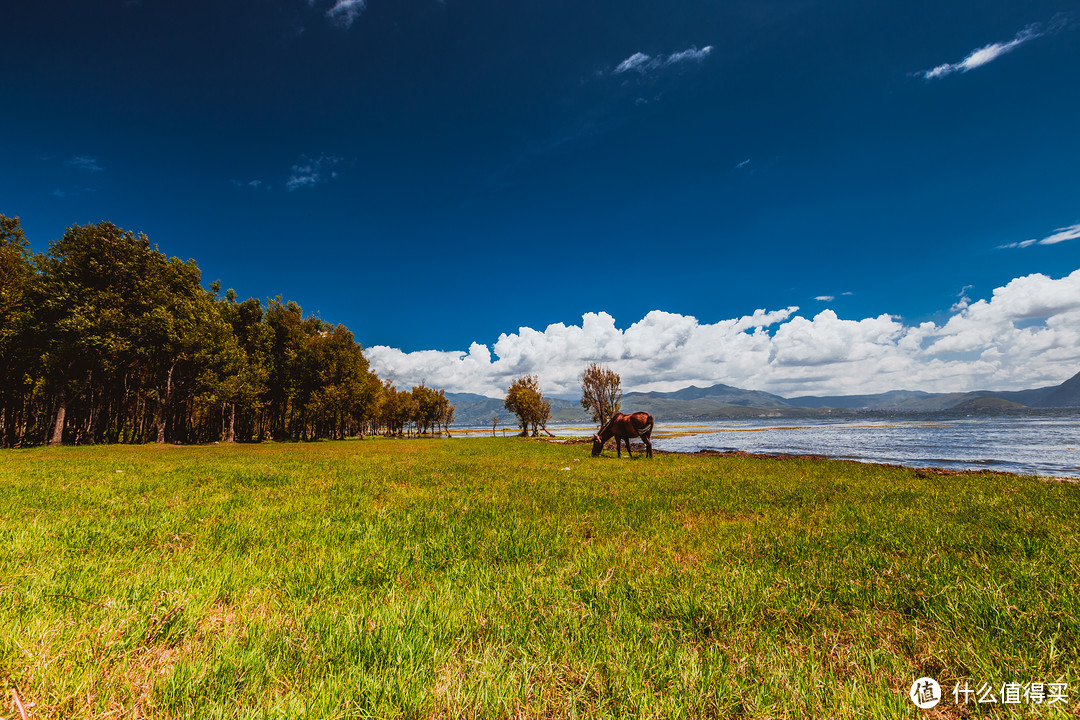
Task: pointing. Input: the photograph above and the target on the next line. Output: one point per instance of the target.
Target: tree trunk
(58, 428)
(161, 405)
(231, 435)
(160, 438)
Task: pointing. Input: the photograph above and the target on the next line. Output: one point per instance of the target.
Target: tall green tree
(524, 399)
(429, 405)
(601, 393)
(446, 414)
(102, 318)
(194, 349)
(396, 409)
(287, 354)
(340, 402)
(17, 369)
(16, 269)
(244, 387)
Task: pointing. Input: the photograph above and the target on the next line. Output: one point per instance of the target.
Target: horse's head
(597, 445)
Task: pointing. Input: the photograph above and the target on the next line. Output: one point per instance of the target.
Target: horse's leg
(648, 446)
(628, 449)
(618, 447)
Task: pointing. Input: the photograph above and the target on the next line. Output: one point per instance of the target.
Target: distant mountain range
(1067, 394)
(725, 402)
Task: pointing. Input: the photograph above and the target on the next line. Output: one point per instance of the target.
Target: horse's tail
(645, 431)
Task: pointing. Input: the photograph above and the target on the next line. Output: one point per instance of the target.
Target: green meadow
(513, 578)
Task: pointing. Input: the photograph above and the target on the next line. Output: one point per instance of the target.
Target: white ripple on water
(1024, 444)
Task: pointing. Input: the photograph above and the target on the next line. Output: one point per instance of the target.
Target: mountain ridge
(1066, 394)
(725, 401)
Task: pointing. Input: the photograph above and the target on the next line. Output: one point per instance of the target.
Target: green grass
(495, 577)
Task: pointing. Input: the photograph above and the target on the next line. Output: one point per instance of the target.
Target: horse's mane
(608, 424)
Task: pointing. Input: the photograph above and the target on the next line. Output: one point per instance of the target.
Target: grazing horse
(623, 427)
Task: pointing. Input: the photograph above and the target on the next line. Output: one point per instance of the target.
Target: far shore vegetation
(521, 578)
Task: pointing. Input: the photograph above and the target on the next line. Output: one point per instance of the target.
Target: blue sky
(438, 175)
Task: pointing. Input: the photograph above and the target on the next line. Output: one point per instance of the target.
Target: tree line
(105, 339)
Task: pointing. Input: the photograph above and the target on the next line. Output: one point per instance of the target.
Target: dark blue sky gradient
(482, 167)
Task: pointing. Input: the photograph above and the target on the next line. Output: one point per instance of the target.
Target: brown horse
(623, 427)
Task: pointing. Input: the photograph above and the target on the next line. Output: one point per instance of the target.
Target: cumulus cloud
(984, 55)
(1060, 235)
(1026, 334)
(642, 63)
(1033, 319)
(310, 172)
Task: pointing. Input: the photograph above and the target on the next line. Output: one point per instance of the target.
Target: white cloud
(1027, 334)
(634, 62)
(963, 302)
(643, 63)
(345, 11)
(983, 55)
(1002, 330)
(72, 191)
(828, 340)
(256, 184)
(83, 162)
(1060, 235)
(689, 55)
(310, 172)
(825, 298)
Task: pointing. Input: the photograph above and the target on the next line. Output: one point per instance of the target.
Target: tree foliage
(430, 408)
(524, 399)
(601, 393)
(18, 360)
(16, 269)
(106, 339)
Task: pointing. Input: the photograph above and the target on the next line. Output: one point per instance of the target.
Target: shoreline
(920, 471)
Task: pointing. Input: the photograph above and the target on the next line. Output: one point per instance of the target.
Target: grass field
(495, 577)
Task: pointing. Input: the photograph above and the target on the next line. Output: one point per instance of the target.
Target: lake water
(1037, 443)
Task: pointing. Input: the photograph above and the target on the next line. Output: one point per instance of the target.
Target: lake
(1031, 443)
